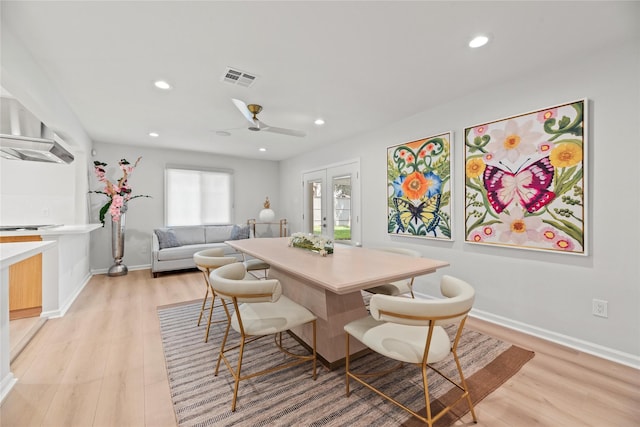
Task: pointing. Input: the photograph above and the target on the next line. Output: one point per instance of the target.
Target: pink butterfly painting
(529, 185)
(525, 180)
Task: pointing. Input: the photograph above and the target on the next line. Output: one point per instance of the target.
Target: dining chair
(398, 287)
(256, 309)
(206, 261)
(411, 331)
(254, 264)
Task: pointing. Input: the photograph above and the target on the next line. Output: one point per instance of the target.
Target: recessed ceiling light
(161, 84)
(478, 41)
(319, 122)
(262, 149)
(154, 134)
(222, 133)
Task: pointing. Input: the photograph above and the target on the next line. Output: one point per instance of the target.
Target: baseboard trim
(6, 385)
(593, 349)
(603, 352)
(52, 314)
(17, 349)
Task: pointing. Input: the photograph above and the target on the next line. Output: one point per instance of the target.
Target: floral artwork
(419, 188)
(524, 179)
(119, 193)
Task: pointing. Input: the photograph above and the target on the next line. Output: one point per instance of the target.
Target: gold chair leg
(464, 385)
(204, 302)
(224, 339)
(346, 364)
(315, 357)
(237, 375)
(427, 403)
(206, 295)
(213, 300)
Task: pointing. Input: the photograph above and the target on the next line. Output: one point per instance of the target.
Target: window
(194, 196)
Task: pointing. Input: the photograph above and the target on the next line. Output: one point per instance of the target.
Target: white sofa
(173, 248)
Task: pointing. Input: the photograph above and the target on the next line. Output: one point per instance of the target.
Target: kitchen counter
(53, 231)
(65, 272)
(11, 253)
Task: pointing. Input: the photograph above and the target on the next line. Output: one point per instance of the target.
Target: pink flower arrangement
(119, 193)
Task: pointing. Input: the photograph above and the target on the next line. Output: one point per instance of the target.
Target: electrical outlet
(599, 308)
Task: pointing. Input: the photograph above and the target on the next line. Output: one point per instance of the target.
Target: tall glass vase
(117, 247)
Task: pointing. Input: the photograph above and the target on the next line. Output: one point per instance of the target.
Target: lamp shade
(266, 215)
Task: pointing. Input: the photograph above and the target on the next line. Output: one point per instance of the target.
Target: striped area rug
(292, 398)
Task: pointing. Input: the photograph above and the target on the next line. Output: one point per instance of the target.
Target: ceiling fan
(250, 112)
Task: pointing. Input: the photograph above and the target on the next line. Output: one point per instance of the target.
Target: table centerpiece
(311, 242)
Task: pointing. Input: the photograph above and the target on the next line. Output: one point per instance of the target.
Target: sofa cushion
(190, 235)
(239, 232)
(217, 233)
(167, 238)
(181, 252)
(186, 252)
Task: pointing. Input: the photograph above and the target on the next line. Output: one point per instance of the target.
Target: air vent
(238, 77)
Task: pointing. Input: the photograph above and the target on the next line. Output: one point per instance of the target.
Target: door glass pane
(342, 208)
(317, 207)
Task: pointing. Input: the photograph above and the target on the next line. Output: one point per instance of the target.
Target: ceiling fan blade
(290, 132)
(283, 131)
(243, 109)
(257, 125)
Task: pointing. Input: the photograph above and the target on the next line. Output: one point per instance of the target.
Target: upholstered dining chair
(411, 331)
(398, 287)
(255, 309)
(208, 260)
(254, 264)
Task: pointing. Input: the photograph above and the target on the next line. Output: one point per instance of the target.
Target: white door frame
(325, 175)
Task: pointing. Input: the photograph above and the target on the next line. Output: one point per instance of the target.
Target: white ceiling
(358, 65)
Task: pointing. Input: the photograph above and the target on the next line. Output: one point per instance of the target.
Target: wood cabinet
(25, 282)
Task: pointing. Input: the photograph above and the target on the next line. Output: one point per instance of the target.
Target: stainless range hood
(24, 137)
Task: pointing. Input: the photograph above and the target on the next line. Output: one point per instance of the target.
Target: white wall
(37, 193)
(253, 180)
(547, 294)
(28, 189)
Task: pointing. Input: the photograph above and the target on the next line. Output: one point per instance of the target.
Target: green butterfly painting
(419, 188)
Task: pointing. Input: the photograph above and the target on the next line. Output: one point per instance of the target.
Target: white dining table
(330, 286)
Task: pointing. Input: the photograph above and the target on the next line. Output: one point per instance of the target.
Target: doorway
(332, 202)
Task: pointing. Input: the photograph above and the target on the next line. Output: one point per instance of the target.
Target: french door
(332, 202)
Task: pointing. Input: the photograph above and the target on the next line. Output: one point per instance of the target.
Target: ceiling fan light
(161, 84)
(478, 41)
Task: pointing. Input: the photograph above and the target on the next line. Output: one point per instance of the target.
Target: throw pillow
(167, 238)
(240, 232)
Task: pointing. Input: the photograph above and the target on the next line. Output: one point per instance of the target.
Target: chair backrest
(421, 312)
(212, 258)
(229, 283)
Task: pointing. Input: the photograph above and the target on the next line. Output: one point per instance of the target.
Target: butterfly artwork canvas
(525, 180)
(419, 188)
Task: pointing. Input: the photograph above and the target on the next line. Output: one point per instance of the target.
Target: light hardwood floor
(102, 365)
